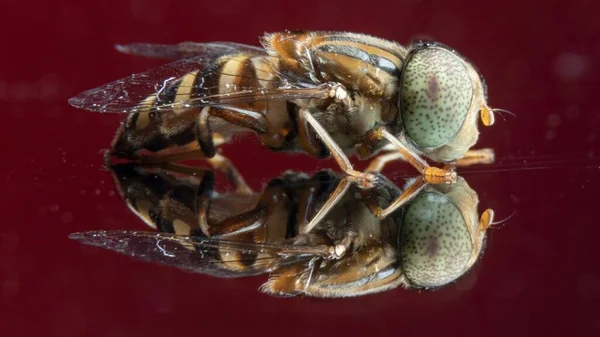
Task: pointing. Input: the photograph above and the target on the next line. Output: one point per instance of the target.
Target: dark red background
(539, 276)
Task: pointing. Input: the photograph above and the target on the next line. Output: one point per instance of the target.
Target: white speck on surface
(48, 87)
(572, 112)
(591, 137)
(22, 91)
(97, 192)
(66, 217)
(570, 66)
(550, 135)
(553, 120)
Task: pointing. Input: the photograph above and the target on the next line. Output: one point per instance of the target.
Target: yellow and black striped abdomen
(165, 122)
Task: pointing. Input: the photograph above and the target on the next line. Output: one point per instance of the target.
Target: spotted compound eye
(435, 244)
(435, 94)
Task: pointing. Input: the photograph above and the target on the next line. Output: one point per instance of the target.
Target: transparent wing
(197, 254)
(186, 49)
(198, 81)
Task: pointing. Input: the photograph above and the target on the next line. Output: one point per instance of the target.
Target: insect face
(441, 95)
(322, 93)
(440, 237)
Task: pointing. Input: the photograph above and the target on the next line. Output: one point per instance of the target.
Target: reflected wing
(186, 49)
(218, 75)
(220, 258)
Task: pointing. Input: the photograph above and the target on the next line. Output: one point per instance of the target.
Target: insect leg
(204, 133)
(408, 194)
(242, 223)
(204, 197)
(472, 157)
(218, 161)
(476, 157)
(223, 164)
(364, 180)
(333, 199)
(371, 143)
(431, 174)
(252, 120)
(253, 219)
(308, 140)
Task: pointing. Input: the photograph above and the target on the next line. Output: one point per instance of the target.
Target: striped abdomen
(176, 127)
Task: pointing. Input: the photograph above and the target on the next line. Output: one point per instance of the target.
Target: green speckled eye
(435, 244)
(436, 94)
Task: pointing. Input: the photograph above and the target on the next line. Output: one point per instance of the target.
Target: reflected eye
(435, 244)
(436, 94)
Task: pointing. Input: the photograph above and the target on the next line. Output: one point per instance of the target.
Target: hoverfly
(322, 93)
(428, 243)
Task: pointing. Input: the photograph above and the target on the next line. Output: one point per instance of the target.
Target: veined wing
(215, 257)
(221, 75)
(185, 49)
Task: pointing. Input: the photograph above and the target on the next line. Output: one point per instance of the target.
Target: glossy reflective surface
(431, 241)
(540, 272)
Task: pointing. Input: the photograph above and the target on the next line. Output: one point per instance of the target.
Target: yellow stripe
(232, 260)
(230, 72)
(143, 118)
(265, 70)
(143, 212)
(367, 49)
(180, 227)
(184, 90)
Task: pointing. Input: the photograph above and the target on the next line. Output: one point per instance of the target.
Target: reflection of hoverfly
(322, 93)
(429, 243)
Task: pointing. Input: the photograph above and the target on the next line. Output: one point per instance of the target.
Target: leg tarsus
(406, 196)
(431, 174)
(476, 157)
